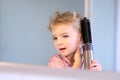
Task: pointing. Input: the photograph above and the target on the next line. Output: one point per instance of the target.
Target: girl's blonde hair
(65, 18)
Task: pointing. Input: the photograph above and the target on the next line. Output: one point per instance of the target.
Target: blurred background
(24, 37)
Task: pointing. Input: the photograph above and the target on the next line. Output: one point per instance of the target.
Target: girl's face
(66, 38)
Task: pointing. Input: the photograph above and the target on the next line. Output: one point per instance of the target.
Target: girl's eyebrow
(60, 34)
(63, 33)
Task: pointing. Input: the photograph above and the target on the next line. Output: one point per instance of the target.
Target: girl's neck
(70, 58)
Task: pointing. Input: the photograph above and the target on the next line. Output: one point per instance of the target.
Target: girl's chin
(65, 54)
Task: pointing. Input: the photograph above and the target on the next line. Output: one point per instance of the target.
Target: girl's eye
(54, 38)
(65, 36)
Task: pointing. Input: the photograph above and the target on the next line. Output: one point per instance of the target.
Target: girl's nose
(59, 41)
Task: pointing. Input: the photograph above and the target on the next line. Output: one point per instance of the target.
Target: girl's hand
(77, 59)
(95, 66)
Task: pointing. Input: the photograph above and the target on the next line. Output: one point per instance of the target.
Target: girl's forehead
(63, 27)
(59, 29)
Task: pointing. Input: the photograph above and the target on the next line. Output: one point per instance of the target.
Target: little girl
(67, 38)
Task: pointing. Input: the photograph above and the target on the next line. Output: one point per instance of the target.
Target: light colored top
(60, 61)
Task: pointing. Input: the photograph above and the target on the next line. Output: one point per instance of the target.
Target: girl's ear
(81, 39)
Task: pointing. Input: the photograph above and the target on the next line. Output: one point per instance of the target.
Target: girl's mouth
(62, 49)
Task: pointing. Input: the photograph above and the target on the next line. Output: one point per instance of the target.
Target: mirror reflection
(25, 38)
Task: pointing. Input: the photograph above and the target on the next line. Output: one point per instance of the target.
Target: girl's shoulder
(55, 57)
(56, 62)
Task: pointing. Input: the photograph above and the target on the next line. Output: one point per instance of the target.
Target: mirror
(24, 37)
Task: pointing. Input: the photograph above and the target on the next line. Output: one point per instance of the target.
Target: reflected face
(66, 38)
